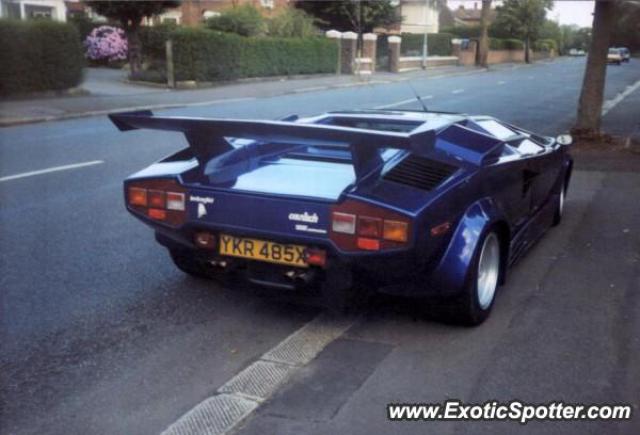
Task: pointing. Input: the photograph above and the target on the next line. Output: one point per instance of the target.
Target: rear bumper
(394, 273)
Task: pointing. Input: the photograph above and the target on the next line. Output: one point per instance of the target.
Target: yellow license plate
(262, 250)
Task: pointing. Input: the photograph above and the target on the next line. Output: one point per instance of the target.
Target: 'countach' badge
(304, 217)
(307, 219)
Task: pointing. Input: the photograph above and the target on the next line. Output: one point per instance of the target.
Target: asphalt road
(101, 334)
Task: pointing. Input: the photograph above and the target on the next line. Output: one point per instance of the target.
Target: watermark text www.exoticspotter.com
(453, 410)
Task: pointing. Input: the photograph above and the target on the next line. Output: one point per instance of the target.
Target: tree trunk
(527, 43)
(590, 105)
(135, 56)
(483, 53)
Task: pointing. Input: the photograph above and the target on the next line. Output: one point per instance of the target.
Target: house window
(38, 12)
(267, 3)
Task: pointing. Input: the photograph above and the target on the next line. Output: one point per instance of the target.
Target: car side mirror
(564, 139)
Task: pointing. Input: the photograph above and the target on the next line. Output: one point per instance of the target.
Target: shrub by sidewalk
(206, 55)
(39, 56)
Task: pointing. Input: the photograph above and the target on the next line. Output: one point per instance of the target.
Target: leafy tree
(592, 94)
(582, 38)
(351, 15)
(626, 32)
(551, 30)
(292, 23)
(130, 14)
(483, 49)
(575, 37)
(523, 19)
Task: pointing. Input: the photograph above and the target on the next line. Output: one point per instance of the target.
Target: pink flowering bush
(106, 43)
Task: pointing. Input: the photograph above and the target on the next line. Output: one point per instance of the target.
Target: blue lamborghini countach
(405, 202)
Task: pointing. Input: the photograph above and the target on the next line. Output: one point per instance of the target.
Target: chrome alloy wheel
(488, 269)
(561, 203)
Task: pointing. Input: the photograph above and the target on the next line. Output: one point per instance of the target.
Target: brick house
(193, 12)
(464, 17)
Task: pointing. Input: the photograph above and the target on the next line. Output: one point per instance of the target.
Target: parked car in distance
(626, 54)
(614, 56)
(409, 203)
(576, 52)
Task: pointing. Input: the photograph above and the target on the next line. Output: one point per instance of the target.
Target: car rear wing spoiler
(206, 136)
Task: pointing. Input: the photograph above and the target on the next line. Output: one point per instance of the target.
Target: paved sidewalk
(113, 82)
(108, 92)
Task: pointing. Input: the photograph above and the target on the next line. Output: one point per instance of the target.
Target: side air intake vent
(420, 172)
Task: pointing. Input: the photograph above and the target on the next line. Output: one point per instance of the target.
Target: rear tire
(473, 305)
(557, 217)
(191, 265)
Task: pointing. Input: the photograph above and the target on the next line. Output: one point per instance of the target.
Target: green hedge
(153, 39)
(546, 45)
(206, 55)
(464, 32)
(513, 44)
(505, 44)
(39, 56)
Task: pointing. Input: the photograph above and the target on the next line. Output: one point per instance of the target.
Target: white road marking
(311, 89)
(457, 91)
(49, 170)
(243, 393)
(610, 104)
(403, 102)
(200, 103)
(501, 82)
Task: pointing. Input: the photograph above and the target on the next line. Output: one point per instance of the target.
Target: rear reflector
(138, 196)
(440, 229)
(155, 198)
(316, 257)
(175, 201)
(157, 214)
(368, 244)
(344, 223)
(396, 231)
(205, 240)
(369, 226)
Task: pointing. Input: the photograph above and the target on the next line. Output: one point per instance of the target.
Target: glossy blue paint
(257, 176)
(451, 272)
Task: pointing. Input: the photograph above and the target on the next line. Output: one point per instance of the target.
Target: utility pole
(425, 48)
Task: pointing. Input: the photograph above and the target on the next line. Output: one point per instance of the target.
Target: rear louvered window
(420, 172)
